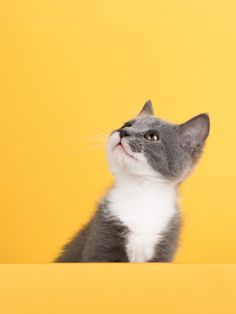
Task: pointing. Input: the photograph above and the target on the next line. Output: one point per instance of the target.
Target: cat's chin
(122, 164)
(121, 149)
(121, 157)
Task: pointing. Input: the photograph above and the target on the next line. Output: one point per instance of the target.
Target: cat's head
(150, 147)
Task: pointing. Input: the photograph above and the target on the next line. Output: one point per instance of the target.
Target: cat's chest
(146, 212)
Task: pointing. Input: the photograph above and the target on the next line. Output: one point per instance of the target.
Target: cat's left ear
(194, 132)
(147, 109)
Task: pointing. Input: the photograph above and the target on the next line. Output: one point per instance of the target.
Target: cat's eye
(152, 136)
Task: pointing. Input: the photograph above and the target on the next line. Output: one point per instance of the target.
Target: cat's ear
(147, 109)
(194, 132)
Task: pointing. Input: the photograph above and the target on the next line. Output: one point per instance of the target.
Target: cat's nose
(124, 133)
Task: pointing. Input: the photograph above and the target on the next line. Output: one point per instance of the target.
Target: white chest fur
(145, 208)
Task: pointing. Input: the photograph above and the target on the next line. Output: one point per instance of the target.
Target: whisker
(89, 140)
(86, 139)
(93, 129)
(90, 137)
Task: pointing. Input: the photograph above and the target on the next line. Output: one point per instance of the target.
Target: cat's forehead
(149, 123)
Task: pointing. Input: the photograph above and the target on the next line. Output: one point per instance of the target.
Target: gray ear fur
(194, 132)
(147, 109)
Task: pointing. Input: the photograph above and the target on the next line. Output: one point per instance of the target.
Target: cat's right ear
(194, 132)
(147, 109)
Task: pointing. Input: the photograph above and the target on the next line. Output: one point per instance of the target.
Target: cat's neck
(123, 180)
(145, 189)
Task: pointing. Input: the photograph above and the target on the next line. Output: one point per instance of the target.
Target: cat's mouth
(122, 148)
(119, 146)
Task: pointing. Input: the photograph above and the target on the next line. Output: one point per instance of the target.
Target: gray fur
(166, 248)
(103, 239)
(179, 146)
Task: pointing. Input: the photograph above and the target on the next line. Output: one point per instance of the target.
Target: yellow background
(118, 288)
(72, 69)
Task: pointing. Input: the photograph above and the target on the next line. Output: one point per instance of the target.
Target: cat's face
(150, 147)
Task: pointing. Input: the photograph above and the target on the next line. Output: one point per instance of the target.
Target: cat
(139, 220)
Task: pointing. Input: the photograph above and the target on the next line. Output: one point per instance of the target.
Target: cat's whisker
(94, 138)
(93, 129)
(87, 139)
(82, 128)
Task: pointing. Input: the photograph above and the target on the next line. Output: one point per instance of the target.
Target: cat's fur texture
(138, 220)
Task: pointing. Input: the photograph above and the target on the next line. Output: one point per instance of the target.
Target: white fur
(142, 200)
(146, 208)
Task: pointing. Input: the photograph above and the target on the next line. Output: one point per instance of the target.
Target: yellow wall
(72, 69)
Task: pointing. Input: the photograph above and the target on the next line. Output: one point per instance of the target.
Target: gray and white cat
(138, 220)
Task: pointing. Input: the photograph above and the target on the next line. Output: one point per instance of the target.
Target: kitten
(138, 220)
